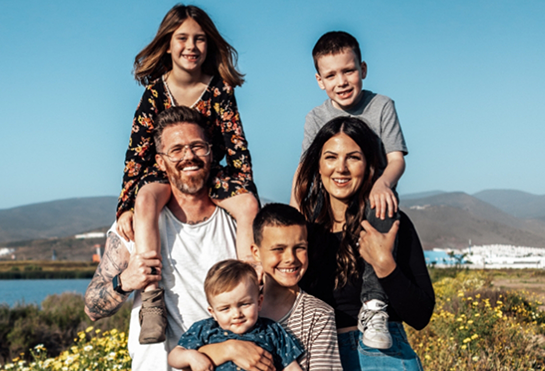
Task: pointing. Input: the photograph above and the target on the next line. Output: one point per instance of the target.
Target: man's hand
(244, 354)
(382, 198)
(249, 356)
(376, 248)
(142, 270)
(124, 225)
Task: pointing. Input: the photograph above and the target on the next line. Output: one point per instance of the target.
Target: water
(35, 291)
(439, 257)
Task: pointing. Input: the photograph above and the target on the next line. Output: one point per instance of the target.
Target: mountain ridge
(442, 219)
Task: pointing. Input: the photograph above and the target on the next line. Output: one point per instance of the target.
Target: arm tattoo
(100, 298)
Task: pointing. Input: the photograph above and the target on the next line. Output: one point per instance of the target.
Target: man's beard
(188, 184)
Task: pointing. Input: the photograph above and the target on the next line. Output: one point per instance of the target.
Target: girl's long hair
(154, 61)
(314, 199)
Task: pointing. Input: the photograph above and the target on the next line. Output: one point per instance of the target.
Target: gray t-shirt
(378, 111)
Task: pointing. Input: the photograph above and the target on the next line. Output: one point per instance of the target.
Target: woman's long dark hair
(314, 200)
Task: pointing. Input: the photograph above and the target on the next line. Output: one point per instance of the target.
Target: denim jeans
(357, 356)
(371, 288)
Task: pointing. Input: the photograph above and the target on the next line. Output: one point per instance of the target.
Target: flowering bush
(476, 327)
(103, 351)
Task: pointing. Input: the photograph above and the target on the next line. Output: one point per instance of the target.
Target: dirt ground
(531, 280)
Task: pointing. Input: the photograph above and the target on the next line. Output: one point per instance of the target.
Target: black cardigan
(408, 287)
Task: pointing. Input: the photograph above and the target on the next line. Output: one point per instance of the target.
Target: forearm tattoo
(100, 299)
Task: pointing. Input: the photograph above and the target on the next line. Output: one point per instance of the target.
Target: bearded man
(195, 234)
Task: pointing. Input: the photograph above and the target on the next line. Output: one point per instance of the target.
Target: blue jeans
(357, 356)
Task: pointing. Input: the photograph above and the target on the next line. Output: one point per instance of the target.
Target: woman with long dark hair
(332, 188)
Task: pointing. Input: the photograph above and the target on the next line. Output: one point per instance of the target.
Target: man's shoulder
(114, 238)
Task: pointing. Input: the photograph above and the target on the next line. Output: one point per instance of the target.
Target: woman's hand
(124, 225)
(376, 248)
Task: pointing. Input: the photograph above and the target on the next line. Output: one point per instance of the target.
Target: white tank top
(188, 252)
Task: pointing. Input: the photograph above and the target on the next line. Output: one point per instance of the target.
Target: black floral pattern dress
(225, 131)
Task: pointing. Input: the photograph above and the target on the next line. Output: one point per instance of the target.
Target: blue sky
(467, 77)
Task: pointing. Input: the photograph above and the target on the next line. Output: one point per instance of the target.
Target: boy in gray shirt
(340, 72)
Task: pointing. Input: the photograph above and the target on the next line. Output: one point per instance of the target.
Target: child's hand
(124, 225)
(382, 198)
(199, 361)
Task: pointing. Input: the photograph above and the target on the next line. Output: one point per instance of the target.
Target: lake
(439, 257)
(35, 291)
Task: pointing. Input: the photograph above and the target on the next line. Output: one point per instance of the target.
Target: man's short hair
(173, 116)
(276, 215)
(335, 42)
(226, 275)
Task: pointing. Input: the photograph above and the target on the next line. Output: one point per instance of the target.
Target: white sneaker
(373, 323)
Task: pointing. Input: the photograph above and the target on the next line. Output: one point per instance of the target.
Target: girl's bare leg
(151, 199)
(243, 208)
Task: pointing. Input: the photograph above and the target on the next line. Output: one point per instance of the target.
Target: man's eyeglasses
(177, 153)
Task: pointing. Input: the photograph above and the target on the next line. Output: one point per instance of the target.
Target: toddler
(232, 291)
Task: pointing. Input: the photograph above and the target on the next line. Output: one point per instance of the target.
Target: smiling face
(237, 310)
(342, 168)
(283, 253)
(341, 75)
(189, 176)
(188, 46)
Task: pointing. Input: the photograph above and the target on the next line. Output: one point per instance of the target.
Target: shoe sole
(376, 345)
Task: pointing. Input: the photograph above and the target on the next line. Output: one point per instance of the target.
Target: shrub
(476, 327)
(99, 351)
(54, 326)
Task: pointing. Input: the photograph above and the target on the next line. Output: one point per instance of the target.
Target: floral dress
(219, 106)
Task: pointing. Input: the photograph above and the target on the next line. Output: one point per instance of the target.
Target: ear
(161, 162)
(320, 82)
(212, 313)
(255, 252)
(259, 302)
(363, 70)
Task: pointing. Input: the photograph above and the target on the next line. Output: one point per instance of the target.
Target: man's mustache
(195, 162)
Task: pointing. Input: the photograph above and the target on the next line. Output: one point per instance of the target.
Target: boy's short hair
(276, 215)
(226, 275)
(173, 116)
(335, 42)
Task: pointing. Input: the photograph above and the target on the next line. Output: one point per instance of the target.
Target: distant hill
(412, 196)
(59, 219)
(56, 218)
(443, 219)
(517, 203)
(452, 219)
(66, 248)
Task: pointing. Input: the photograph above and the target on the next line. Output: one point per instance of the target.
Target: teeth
(342, 181)
(190, 168)
(287, 270)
